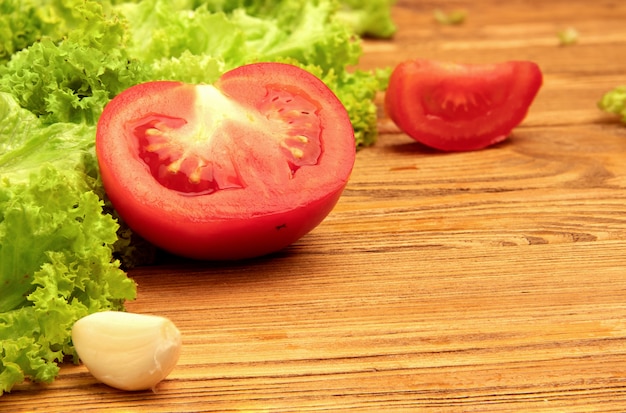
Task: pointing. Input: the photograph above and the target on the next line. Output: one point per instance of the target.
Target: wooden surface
(488, 281)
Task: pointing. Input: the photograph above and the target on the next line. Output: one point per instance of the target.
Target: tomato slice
(456, 107)
(238, 169)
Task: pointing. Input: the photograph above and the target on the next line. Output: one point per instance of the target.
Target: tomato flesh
(455, 107)
(179, 158)
(174, 166)
(234, 170)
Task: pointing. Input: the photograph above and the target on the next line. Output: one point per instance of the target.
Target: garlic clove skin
(127, 351)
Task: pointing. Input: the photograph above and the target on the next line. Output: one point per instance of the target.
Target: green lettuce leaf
(368, 18)
(20, 26)
(24, 22)
(56, 262)
(71, 80)
(614, 101)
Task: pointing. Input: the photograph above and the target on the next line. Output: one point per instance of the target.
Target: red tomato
(234, 170)
(455, 107)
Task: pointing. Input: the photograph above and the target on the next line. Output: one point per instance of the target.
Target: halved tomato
(233, 170)
(458, 107)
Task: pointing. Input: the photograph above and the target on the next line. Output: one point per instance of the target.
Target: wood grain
(488, 281)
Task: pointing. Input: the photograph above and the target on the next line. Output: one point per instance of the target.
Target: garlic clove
(127, 351)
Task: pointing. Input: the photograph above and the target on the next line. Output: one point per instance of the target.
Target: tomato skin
(457, 107)
(266, 203)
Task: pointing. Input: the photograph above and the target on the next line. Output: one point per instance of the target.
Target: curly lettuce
(368, 18)
(20, 26)
(72, 79)
(56, 243)
(614, 101)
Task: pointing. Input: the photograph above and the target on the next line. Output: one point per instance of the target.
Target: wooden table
(486, 281)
